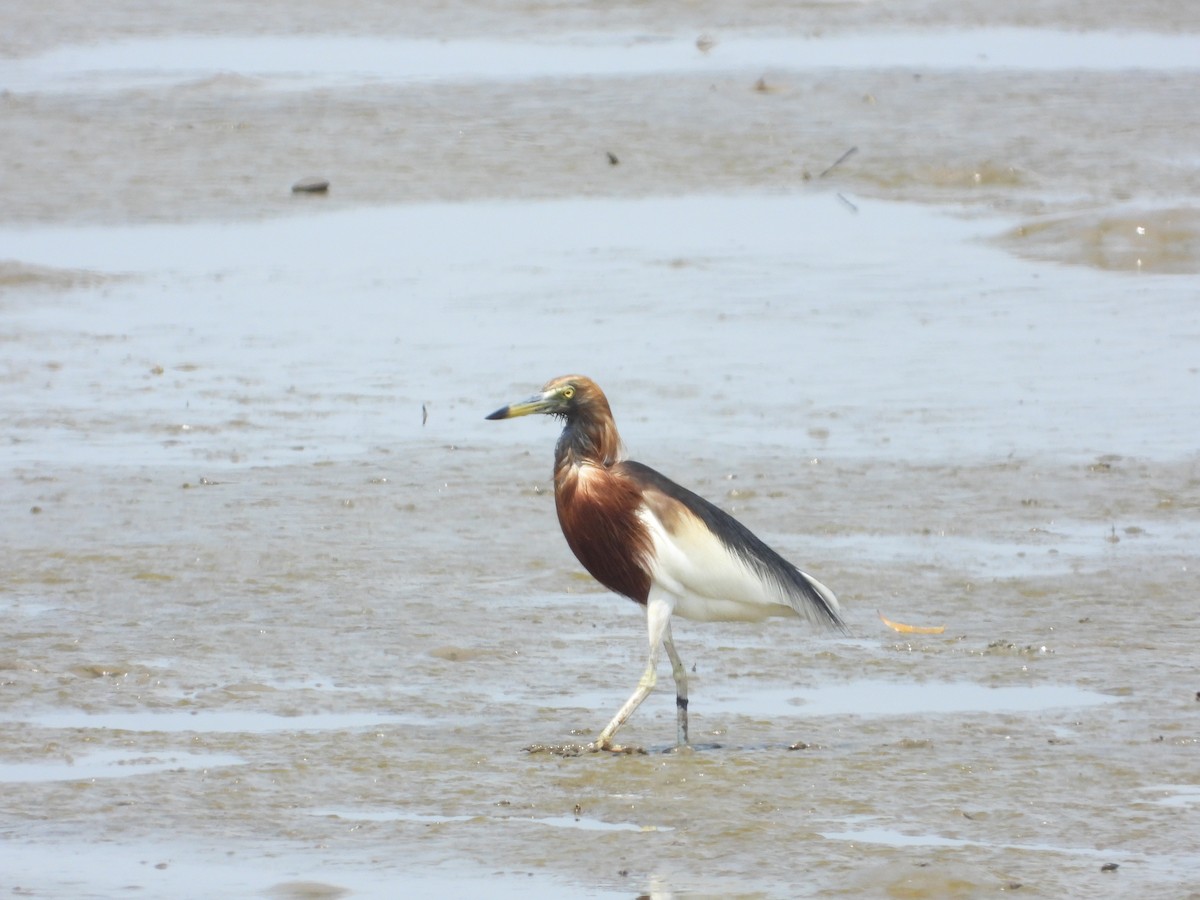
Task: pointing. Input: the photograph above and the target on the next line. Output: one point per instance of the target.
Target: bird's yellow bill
(539, 403)
(910, 629)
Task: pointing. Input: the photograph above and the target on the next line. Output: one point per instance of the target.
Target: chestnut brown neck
(590, 435)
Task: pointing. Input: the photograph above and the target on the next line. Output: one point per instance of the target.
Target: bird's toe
(607, 746)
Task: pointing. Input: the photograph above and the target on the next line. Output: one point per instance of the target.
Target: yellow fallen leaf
(910, 629)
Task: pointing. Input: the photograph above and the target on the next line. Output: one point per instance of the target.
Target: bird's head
(570, 397)
(590, 433)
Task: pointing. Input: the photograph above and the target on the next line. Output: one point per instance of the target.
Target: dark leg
(681, 697)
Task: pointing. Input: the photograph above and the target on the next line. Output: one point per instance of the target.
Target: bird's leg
(681, 698)
(645, 686)
(658, 618)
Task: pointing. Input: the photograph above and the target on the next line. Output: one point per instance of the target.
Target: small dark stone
(612, 159)
(1109, 867)
(311, 186)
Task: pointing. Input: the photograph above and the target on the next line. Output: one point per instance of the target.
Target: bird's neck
(588, 441)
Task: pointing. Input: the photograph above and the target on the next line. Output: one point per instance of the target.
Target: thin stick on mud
(837, 162)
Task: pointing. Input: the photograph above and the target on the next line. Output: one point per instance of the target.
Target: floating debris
(910, 629)
(311, 186)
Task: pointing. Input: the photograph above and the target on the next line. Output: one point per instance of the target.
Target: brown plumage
(597, 502)
(668, 549)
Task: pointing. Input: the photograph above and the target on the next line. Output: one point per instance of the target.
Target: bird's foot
(581, 749)
(606, 746)
(560, 749)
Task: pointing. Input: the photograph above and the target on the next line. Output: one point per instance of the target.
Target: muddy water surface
(281, 610)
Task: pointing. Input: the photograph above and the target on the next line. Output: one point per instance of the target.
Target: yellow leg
(645, 686)
(658, 624)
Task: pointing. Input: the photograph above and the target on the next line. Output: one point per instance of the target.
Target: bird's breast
(598, 512)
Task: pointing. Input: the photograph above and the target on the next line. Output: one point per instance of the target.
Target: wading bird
(640, 534)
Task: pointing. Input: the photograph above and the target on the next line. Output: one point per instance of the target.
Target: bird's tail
(822, 604)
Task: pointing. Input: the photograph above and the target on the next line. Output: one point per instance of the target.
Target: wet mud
(283, 615)
(1078, 135)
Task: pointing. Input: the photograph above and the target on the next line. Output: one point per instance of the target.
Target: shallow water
(305, 63)
(282, 610)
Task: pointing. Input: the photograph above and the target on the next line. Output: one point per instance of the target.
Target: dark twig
(837, 162)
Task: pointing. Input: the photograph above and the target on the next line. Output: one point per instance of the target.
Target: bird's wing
(716, 566)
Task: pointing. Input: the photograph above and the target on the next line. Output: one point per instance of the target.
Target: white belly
(706, 581)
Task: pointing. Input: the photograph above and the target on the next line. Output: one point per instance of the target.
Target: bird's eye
(568, 392)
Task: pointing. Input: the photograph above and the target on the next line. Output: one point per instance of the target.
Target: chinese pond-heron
(671, 551)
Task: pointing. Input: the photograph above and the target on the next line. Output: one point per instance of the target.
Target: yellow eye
(568, 392)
